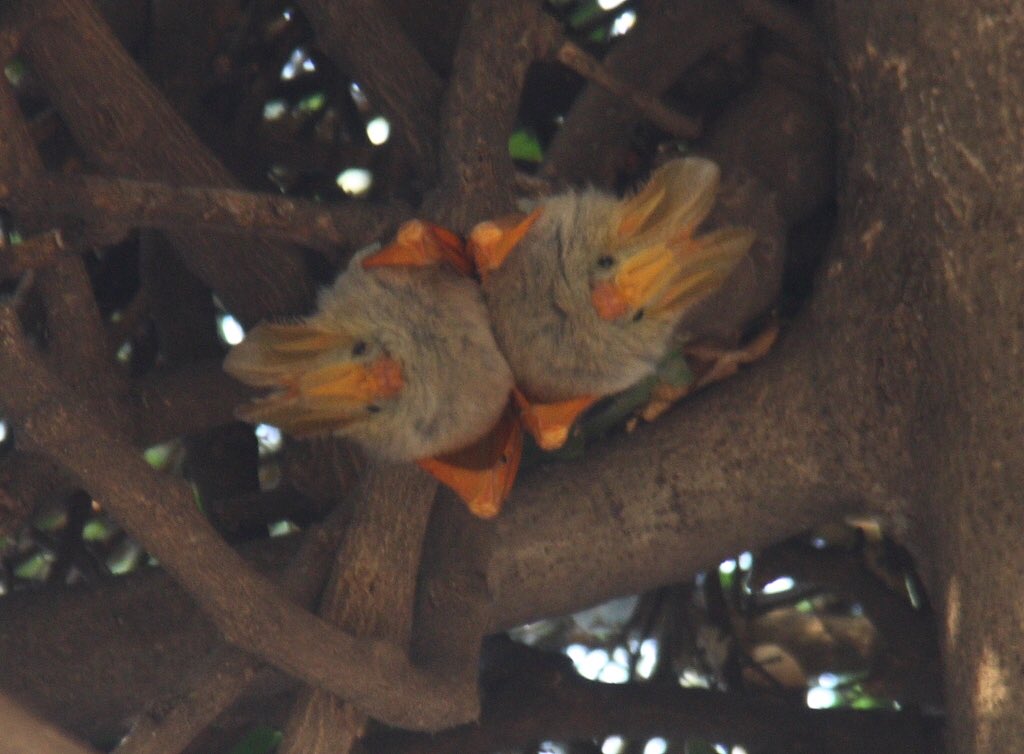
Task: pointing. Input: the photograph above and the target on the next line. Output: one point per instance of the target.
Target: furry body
(432, 321)
(541, 311)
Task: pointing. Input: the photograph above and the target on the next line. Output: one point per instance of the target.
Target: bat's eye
(359, 348)
(639, 315)
(605, 262)
(373, 408)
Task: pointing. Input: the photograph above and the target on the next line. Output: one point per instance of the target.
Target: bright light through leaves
(297, 64)
(269, 438)
(779, 585)
(230, 330)
(822, 698)
(623, 23)
(656, 746)
(355, 181)
(378, 130)
(613, 745)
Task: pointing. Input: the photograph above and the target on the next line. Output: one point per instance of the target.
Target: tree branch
(24, 732)
(252, 614)
(667, 40)
(370, 595)
(496, 46)
(150, 204)
(586, 65)
(182, 400)
(123, 124)
(222, 677)
(735, 467)
(544, 699)
(363, 38)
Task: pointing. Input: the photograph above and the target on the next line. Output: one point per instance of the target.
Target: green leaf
(674, 370)
(523, 146)
(609, 414)
(97, 530)
(584, 14)
(15, 71)
(312, 103)
(158, 456)
(260, 741)
(699, 746)
(36, 567)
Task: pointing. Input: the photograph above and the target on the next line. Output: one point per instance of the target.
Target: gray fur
(541, 312)
(433, 321)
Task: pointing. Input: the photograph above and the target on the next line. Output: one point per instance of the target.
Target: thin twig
(590, 68)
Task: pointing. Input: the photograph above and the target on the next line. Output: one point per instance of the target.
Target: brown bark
(542, 698)
(666, 41)
(123, 124)
(221, 678)
(899, 391)
(149, 204)
(364, 39)
(370, 595)
(24, 732)
(249, 610)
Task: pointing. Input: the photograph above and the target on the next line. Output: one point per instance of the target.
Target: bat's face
(587, 301)
(399, 359)
(654, 266)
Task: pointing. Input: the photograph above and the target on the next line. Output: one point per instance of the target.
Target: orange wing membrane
(549, 423)
(482, 474)
(490, 242)
(419, 244)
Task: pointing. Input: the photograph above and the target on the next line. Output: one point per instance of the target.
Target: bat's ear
(482, 474)
(419, 244)
(491, 242)
(272, 352)
(674, 202)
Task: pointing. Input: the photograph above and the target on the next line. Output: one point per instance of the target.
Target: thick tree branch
(248, 609)
(186, 399)
(224, 675)
(364, 39)
(544, 698)
(370, 595)
(496, 46)
(150, 204)
(24, 733)
(124, 125)
(667, 40)
(737, 467)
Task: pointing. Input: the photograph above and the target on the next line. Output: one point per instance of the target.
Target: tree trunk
(923, 300)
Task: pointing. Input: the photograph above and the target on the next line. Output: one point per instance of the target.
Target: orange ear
(549, 423)
(490, 242)
(483, 473)
(419, 244)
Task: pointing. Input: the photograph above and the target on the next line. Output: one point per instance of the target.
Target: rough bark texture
(124, 125)
(898, 391)
(923, 297)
